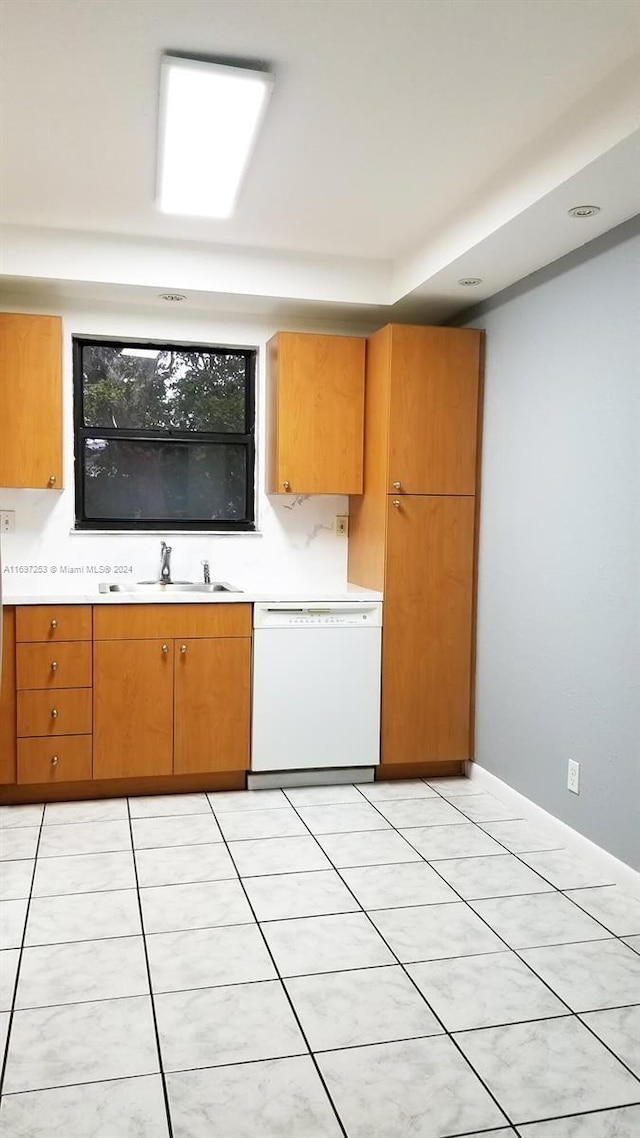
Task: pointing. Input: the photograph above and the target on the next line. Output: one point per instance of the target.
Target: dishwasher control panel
(339, 614)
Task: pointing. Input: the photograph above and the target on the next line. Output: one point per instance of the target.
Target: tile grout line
(336, 869)
(327, 972)
(517, 953)
(555, 888)
(283, 986)
(573, 1014)
(5, 1058)
(165, 1092)
(421, 994)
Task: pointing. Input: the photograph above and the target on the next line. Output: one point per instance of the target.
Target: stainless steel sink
(158, 588)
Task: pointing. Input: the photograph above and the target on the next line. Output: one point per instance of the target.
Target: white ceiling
(408, 142)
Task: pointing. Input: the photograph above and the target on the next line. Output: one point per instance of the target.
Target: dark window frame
(170, 435)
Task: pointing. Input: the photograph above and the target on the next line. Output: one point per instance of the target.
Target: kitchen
(350, 936)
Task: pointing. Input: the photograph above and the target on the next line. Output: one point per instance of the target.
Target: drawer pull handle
(165, 649)
(286, 485)
(54, 665)
(396, 503)
(52, 479)
(183, 648)
(397, 486)
(54, 624)
(54, 760)
(54, 712)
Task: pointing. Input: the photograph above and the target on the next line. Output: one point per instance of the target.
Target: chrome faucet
(165, 563)
(206, 570)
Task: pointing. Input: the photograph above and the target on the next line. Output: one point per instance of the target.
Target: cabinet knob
(397, 486)
(286, 485)
(53, 624)
(54, 713)
(396, 503)
(52, 480)
(54, 760)
(183, 648)
(54, 665)
(165, 649)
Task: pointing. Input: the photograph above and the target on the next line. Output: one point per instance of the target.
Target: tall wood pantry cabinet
(413, 533)
(30, 401)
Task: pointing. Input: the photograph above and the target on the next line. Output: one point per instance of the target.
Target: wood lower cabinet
(8, 698)
(133, 708)
(428, 629)
(95, 696)
(212, 705)
(52, 680)
(171, 704)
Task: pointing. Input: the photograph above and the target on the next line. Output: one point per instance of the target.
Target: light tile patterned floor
(397, 960)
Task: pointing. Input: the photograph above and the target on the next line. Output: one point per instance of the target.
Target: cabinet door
(133, 708)
(212, 705)
(433, 421)
(30, 401)
(316, 414)
(426, 670)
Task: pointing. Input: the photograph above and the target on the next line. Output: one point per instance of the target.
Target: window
(164, 436)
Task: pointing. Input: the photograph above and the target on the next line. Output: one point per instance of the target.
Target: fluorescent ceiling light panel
(209, 119)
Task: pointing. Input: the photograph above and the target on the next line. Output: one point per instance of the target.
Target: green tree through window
(164, 435)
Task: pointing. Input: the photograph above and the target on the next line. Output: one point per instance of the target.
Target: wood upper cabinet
(132, 708)
(428, 629)
(212, 705)
(433, 409)
(30, 401)
(315, 400)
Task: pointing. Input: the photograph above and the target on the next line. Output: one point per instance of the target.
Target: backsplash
(295, 547)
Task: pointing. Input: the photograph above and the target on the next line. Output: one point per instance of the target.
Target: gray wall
(558, 668)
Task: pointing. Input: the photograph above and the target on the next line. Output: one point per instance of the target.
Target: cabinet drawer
(64, 759)
(63, 712)
(145, 622)
(66, 665)
(51, 623)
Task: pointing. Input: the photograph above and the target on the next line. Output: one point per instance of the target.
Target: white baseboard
(568, 838)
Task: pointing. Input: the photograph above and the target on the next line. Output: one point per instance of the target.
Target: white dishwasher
(316, 685)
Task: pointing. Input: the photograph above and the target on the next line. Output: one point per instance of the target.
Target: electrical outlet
(7, 521)
(341, 525)
(573, 777)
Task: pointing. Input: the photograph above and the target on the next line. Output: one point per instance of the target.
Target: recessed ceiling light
(470, 282)
(209, 119)
(172, 297)
(584, 211)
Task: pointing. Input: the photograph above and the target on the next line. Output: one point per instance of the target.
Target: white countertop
(250, 596)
